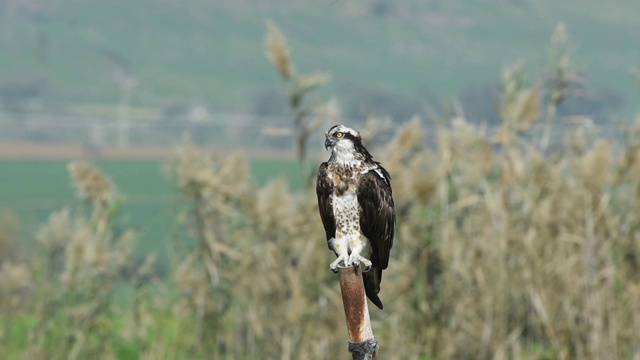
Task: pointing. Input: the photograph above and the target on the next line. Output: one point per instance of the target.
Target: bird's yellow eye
(339, 135)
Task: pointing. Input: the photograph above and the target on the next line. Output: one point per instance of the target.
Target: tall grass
(508, 246)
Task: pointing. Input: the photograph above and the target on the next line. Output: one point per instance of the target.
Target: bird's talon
(357, 259)
(340, 260)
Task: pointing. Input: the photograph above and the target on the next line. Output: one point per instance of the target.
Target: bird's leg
(355, 258)
(341, 248)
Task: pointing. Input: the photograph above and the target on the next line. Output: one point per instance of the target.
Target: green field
(33, 189)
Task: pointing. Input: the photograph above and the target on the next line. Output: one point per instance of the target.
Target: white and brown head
(346, 146)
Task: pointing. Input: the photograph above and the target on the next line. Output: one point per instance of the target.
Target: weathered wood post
(362, 344)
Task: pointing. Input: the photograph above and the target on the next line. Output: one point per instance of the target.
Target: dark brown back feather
(378, 217)
(324, 189)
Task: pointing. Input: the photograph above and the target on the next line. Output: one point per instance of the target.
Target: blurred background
(158, 156)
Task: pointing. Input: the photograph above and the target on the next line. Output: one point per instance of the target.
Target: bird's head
(345, 145)
(341, 138)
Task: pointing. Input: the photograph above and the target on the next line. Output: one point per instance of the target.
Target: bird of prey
(356, 207)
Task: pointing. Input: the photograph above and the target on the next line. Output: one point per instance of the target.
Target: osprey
(356, 207)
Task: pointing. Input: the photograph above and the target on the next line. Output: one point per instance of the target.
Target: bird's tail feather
(371, 282)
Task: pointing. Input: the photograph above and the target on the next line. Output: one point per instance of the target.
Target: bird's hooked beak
(328, 143)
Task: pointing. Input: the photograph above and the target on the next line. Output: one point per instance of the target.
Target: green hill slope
(212, 51)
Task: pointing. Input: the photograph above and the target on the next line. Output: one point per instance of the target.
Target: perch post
(362, 343)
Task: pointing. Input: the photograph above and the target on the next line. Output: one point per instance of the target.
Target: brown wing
(377, 217)
(324, 190)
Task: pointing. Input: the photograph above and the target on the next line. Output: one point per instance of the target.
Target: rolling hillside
(211, 52)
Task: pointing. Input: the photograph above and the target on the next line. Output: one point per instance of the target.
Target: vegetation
(511, 243)
(298, 89)
(502, 251)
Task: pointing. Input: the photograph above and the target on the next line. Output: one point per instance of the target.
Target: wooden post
(362, 343)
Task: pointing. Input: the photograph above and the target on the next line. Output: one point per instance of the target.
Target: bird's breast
(344, 181)
(346, 210)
